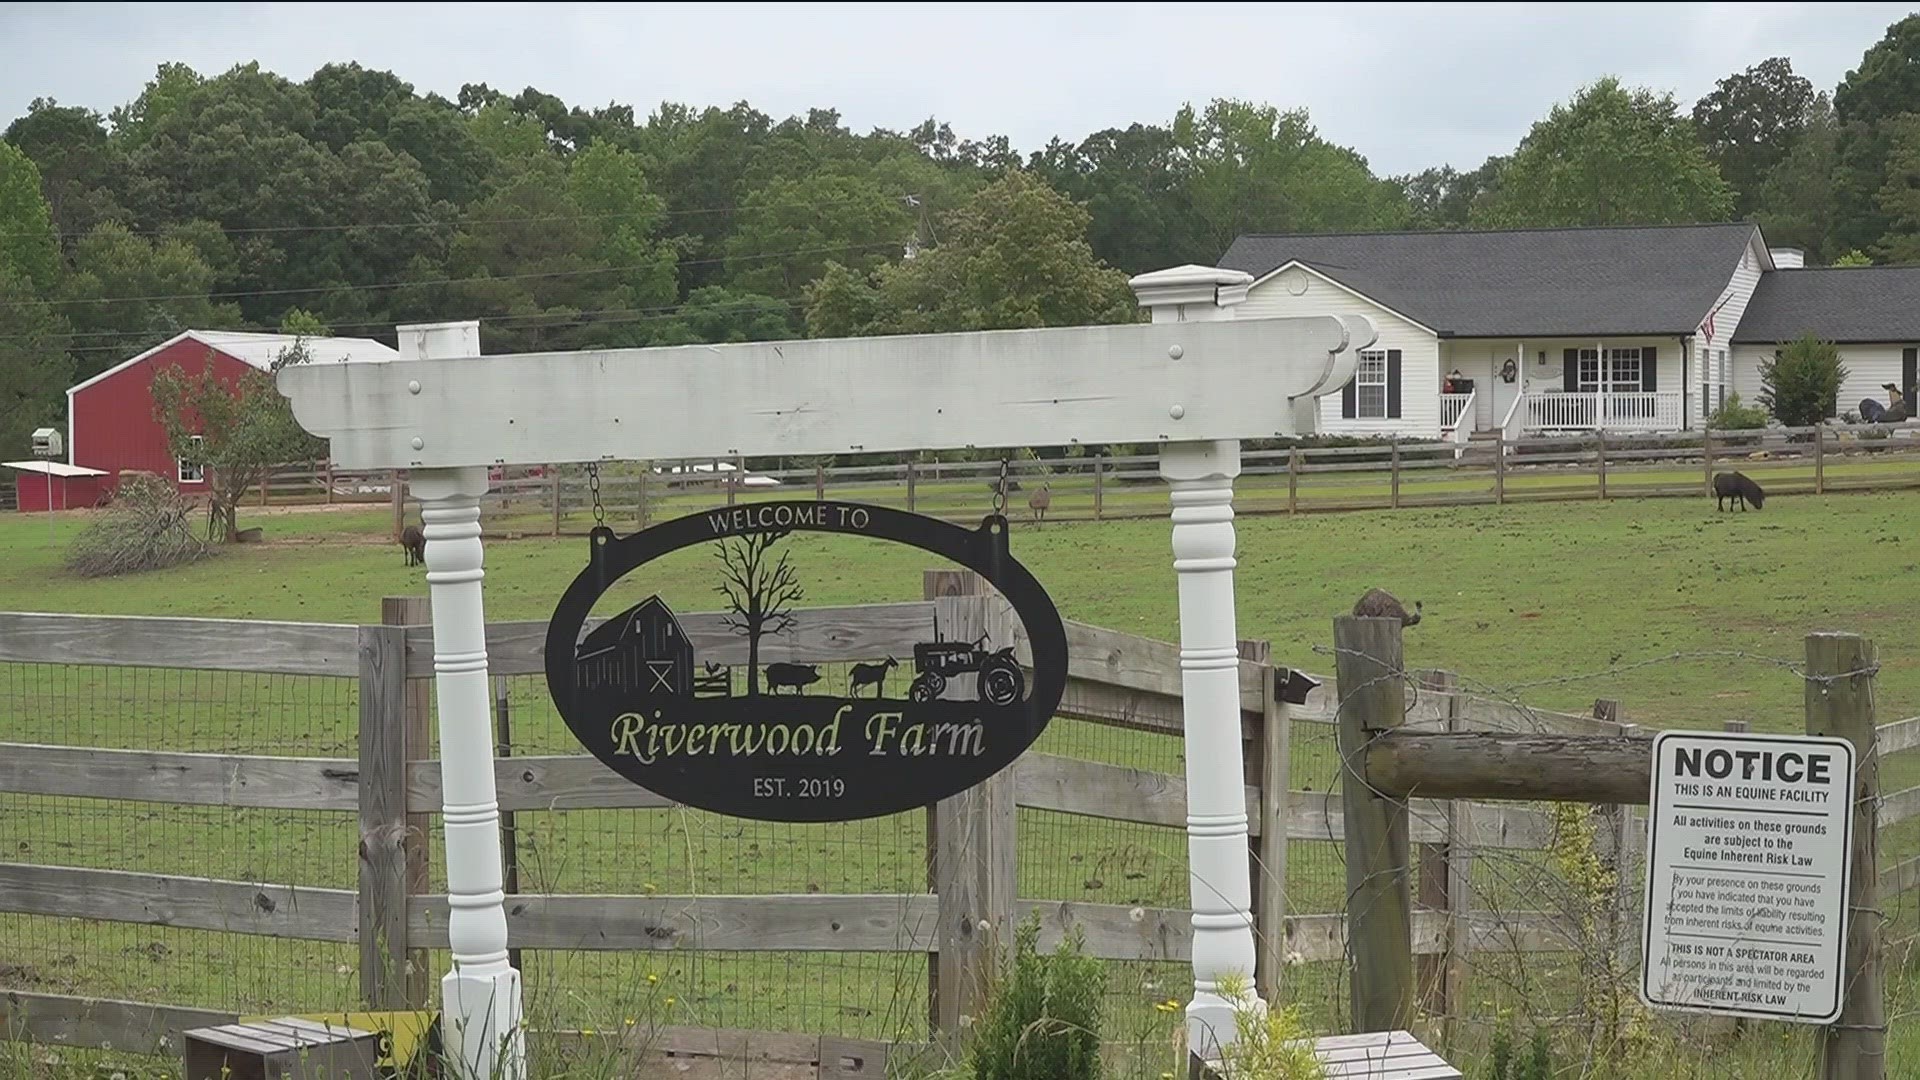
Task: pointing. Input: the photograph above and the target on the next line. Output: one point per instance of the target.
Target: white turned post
(1202, 475)
(480, 998)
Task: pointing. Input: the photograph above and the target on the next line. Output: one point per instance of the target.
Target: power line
(244, 293)
(446, 223)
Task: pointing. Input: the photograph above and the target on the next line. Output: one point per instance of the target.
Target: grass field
(1561, 602)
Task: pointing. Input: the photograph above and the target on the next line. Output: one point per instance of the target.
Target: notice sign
(1747, 864)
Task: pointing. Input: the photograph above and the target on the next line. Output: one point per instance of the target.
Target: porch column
(1201, 474)
(480, 997)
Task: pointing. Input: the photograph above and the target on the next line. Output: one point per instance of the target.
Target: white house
(1544, 330)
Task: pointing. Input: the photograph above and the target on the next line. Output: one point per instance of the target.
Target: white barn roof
(260, 350)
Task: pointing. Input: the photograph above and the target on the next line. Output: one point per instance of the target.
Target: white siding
(1868, 366)
(1705, 377)
(1419, 350)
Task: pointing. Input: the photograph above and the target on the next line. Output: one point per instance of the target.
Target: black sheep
(1740, 488)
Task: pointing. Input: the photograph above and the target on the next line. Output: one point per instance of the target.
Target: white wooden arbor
(1194, 380)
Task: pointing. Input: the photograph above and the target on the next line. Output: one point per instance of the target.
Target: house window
(191, 471)
(1622, 369)
(1370, 386)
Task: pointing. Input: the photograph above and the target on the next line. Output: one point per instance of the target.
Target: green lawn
(1551, 594)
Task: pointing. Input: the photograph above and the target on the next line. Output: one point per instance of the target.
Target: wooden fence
(1388, 474)
(1116, 679)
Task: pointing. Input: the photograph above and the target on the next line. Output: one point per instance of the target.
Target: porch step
(1483, 436)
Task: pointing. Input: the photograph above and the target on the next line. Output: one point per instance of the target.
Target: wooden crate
(284, 1049)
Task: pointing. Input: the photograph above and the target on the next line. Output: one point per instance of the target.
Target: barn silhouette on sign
(642, 650)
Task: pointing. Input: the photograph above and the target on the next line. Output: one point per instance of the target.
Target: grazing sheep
(874, 675)
(1381, 604)
(414, 543)
(1738, 487)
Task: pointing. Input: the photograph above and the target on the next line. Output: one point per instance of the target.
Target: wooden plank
(1119, 706)
(383, 816)
(1141, 663)
(568, 782)
(184, 779)
(1899, 735)
(1899, 806)
(285, 648)
(186, 902)
(131, 1027)
(1269, 827)
(1114, 931)
(414, 742)
(779, 923)
(1379, 900)
(819, 635)
(1483, 765)
(1112, 792)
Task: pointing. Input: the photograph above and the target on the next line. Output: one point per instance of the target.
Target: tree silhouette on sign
(760, 590)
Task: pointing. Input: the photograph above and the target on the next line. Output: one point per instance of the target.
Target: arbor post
(1202, 474)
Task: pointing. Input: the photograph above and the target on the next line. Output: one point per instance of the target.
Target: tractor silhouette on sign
(934, 662)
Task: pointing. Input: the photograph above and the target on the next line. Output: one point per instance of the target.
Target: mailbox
(47, 443)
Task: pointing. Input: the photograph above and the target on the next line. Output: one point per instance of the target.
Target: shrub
(1801, 384)
(145, 528)
(1044, 1019)
(1269, 1044)
(1733, 416)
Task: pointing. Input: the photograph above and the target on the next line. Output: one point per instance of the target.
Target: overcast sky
(1407, 85)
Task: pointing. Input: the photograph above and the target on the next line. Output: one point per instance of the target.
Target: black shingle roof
(1856, 303)
(1523, 282)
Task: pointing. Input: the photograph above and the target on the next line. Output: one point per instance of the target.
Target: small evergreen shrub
(1734, 416)
(1801, 385)
(1043, 1022)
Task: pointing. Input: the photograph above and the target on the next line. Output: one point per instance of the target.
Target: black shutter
(1570, 370)
(1350, 397)
(1393, 384)
(1909, 359)
(1649, 364)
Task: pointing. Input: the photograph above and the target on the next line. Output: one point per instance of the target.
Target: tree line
(352, 202)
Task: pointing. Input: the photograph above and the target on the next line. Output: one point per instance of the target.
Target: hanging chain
(1000, 490)
(593, 485)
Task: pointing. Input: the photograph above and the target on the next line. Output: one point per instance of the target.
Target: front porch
(1517, 388)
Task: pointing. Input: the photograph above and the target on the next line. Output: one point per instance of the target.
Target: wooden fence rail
(1116, 679)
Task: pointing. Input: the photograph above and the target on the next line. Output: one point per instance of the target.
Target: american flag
(1706, 327)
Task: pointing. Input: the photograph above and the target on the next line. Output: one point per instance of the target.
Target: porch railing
(1657, 410)
(1453, 407)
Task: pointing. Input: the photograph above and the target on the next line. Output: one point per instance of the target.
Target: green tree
(1446, 198)
(1800, 385)
(1254, 168)
(34, 367)
(237, 431)
(1751, 121)
(1854, 258)
(1611, 156)
(28, 249)
(127, 292)
(1796, 204)
(1884, 86)
(171, 85)
(787, 231)
(1899, 194)
(1133, 182)
(79, 164)
(610, 189)
(1015, 255)
(714, 314)
(302, 323)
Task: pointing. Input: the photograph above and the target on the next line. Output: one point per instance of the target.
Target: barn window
(1370, 383)
(191, 471)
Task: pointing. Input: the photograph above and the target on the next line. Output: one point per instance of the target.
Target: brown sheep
(414, 543)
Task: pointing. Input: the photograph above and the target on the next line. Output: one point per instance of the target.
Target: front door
(1500, 393)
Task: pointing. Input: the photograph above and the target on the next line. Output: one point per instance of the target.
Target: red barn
(110, 421)
(40, 486)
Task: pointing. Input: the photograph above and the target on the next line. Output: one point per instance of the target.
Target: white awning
(56, 468)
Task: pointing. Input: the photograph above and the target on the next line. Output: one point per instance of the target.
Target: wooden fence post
(972, 837)
(1839, 702)
(1445, 882)
(509, 842)
(646, 467)
(397, 487)
(553, 480)
(1266, 750)
(733, 480)
(1600, 460)
(1706, 452)
(1393, 499)
(910, 498)
(383, 816)
(329, 480)
(1293, 480)
(417, 746)
(1500, 469)
(1099, 488)
(819, 482)
(1379, 915)
(1820, 459)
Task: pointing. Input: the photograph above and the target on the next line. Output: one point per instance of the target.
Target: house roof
(1836, 303)
(1522, 282)
(260, 350)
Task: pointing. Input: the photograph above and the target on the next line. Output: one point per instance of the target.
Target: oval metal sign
(827, 740)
